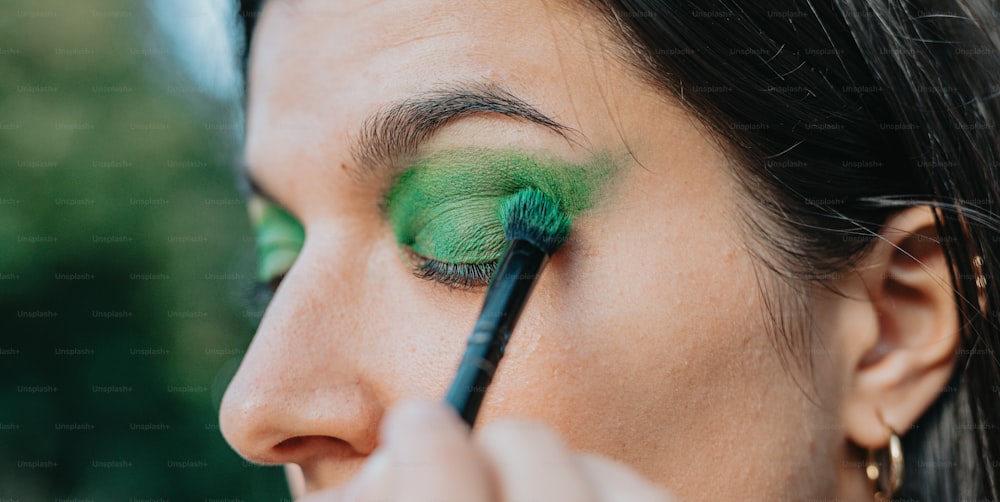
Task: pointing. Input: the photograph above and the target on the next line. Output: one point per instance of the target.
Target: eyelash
(454, 275)
(464, 276)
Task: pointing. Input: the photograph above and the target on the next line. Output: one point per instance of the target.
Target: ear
(901, 361)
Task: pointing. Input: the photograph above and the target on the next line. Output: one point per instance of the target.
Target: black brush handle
(516, 274)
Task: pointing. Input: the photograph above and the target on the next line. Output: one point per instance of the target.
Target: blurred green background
(126, 259)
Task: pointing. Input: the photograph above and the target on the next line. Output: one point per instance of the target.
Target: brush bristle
(531, 215)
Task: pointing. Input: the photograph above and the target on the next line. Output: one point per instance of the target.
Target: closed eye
(454, 275)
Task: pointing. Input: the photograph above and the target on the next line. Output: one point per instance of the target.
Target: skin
(645, 356)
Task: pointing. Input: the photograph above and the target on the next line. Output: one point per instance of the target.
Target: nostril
(291, 444)
(304, 447)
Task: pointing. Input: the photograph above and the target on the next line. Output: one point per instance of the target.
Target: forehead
(319, 62)
(355, 41)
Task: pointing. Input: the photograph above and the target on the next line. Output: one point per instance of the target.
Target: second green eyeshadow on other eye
(279, 239)
(445, 206)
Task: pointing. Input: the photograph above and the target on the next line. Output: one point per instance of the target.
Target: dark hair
(837, 115)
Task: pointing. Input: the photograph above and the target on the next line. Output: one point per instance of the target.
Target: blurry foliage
(125, 257)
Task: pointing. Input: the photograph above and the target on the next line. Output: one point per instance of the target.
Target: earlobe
(900, 372)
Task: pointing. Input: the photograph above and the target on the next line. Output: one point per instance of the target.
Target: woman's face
(644, 340)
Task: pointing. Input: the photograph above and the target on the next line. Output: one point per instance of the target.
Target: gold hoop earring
(887, 487)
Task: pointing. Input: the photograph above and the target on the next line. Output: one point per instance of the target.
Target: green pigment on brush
(279, 238)
(530, 215)
(445, 207)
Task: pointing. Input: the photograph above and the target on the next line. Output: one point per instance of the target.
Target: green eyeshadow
(279, 238)
(445, 206)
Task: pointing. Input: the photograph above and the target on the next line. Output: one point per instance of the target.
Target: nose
(305, 389)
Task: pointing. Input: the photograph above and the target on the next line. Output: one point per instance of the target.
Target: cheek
(630, 325)
(645, 342)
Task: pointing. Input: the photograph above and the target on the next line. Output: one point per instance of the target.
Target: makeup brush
(534, 228)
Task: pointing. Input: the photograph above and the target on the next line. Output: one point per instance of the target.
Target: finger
(370, 484)
(530, 462)
(432, 456)
(296, 480)
(374, 482)
(614, 481)
(331, 495)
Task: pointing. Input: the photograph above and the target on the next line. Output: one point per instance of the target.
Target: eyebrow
(397, 130)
